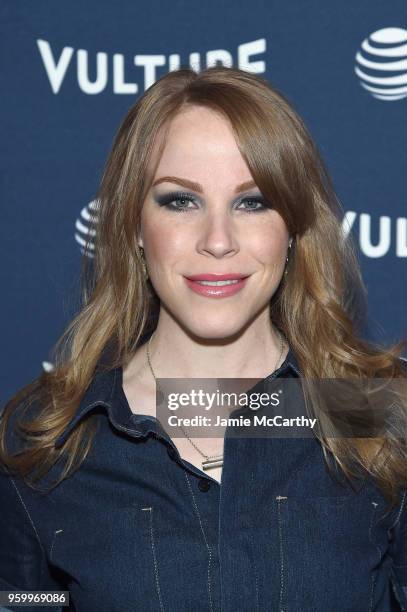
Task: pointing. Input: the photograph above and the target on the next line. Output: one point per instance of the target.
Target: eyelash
(167, 199)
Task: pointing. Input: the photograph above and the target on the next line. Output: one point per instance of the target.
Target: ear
(140, 243)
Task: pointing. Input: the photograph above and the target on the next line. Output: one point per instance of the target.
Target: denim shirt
(136, 527)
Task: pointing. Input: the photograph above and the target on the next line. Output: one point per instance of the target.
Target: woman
(211, 174)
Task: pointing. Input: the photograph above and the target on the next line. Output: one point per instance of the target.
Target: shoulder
(23, 406)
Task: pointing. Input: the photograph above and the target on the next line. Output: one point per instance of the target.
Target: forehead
(201, 142)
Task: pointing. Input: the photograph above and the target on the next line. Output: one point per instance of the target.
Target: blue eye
(178, 202)
(169, 199)
(256, 200)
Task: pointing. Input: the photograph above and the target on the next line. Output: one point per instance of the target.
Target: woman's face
(199, 219)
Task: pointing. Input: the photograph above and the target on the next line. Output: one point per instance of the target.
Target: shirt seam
(42, 550)
(28, 514)
(397, 520)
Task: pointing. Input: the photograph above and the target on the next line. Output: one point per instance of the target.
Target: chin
(213, 330)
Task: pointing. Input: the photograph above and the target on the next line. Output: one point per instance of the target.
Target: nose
(218, 236)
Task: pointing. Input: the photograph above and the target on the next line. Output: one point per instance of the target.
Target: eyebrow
(196, 186)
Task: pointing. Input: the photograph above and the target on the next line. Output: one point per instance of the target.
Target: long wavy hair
(320, 305)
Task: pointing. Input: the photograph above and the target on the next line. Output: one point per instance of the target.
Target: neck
(252, 354)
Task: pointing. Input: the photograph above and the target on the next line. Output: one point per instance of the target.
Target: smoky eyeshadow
(166, 197)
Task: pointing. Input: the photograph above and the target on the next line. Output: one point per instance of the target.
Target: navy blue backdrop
(69, 72)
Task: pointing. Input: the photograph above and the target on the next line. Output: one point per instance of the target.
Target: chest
(277, 534)
(194, 450)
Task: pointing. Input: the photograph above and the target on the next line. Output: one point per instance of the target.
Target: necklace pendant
(212, 463)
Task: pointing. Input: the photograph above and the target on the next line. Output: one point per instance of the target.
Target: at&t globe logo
(85, 228)
(381, 64)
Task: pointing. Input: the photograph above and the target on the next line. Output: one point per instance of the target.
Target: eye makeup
(169, 200)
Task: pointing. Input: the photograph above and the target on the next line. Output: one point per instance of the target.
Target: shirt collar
(106, 391)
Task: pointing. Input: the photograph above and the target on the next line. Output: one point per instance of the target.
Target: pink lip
(217, 277)
(217, 292)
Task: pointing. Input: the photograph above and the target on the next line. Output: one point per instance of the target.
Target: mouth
(216, 285)
(217, 277)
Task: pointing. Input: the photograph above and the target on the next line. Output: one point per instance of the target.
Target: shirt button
(172, 453)
(204, 485)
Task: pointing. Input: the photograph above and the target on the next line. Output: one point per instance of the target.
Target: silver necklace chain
(217, 459)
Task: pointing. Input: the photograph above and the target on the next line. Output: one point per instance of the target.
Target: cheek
(166, 246)
(270, 239)
(270, 251)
